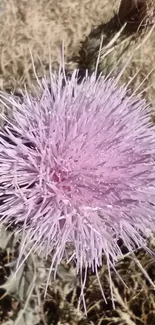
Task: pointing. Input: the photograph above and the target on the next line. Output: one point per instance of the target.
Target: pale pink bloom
(77, 170)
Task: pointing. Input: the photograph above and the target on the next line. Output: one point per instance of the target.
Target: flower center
(61, 178)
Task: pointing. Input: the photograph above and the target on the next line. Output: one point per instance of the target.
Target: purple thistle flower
(77, 170)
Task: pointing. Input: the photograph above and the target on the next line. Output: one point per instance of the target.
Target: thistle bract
(77, 170)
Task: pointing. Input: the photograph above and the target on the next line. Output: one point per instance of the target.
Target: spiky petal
(77, 170)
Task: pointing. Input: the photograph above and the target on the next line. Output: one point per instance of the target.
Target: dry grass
(38, 24)
(140, 69)
(131, 52)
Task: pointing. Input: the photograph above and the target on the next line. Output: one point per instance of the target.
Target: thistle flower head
(77, 170)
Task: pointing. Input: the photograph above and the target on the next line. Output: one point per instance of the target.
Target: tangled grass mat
(82, 26)
(22, 298)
